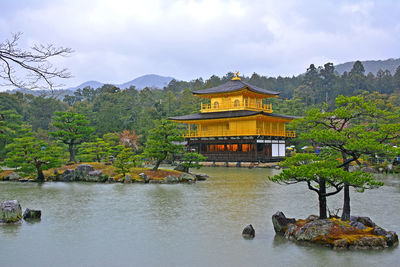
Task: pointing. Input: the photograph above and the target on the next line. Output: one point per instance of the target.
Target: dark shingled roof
(227, 114)
(233, 86)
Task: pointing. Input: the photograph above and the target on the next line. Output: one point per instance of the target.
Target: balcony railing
(290, 133)
(236, 106)
(240, 133)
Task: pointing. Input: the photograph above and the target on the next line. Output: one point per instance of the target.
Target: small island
(106, 173)
(357, 233)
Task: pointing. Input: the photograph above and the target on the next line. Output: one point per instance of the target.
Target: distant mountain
(371, 66)
(149, 80)
(93, 84)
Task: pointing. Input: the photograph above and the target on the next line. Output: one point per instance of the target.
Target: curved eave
(243, 114)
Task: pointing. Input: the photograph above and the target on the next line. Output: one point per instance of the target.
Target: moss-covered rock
(10, 211)
(68, 175)
(82, 172)
(95, 176)
(128, 179)
(313, 229)
(359, 233)
(12, 177)
(281, 223)
(170, 179)
(186, 178)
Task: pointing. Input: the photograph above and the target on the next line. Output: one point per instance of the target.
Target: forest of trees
(112, 110)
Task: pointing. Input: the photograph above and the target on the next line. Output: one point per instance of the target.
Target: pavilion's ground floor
(239, 148)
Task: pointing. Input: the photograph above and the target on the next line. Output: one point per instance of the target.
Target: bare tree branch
(31, 69)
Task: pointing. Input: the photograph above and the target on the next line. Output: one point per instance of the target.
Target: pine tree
(31, 155)
(73, 129)
(163, 141)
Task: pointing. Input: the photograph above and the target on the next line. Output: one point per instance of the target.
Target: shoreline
(105, 173)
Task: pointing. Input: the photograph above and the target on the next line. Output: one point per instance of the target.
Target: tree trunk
(187, 168)
(346, 199)
(346, 203)
(322, 198)
(40, 177)
(71, 153)
(159, 161)
(157, 164)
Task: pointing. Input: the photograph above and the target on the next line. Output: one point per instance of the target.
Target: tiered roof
(233, 86)
(229, 87)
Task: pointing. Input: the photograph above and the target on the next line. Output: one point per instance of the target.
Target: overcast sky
(116, 41)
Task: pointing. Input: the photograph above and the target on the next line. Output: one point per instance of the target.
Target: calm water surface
(182, 225)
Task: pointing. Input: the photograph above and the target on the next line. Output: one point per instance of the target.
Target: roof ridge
(232, 86)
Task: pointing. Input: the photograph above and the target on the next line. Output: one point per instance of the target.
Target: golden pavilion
(237, 126)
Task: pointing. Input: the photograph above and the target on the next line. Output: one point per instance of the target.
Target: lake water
(182, 225)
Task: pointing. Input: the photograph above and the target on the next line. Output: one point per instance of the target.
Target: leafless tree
(30, 69)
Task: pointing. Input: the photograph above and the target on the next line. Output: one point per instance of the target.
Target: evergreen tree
(321, 175)
(94, 151)
(355, 127)
(41, 109)
(356, 81)
(11, 126)
(31, 155)
(72, 129)
(191, 160)
(163, 142)
(396, 78)
(124, 161)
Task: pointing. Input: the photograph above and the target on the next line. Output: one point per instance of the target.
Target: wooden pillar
(189, 129)
(255, 150)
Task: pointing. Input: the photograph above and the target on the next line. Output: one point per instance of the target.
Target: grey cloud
(188, 39)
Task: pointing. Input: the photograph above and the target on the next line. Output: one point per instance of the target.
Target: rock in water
(110, 180)
(32, 214)
(392, 238)
(313, 229)
(82, 171)
(144, 177)
(359, 233)
(170, 179)
(249, 232)
(369, 242)
(186, 178)
(95, 176)
(128, 179)
(340, 244)
(12, 177)
(68, 175)
(10, 211)
(181, 168)
(281, 223)
(201, 177)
